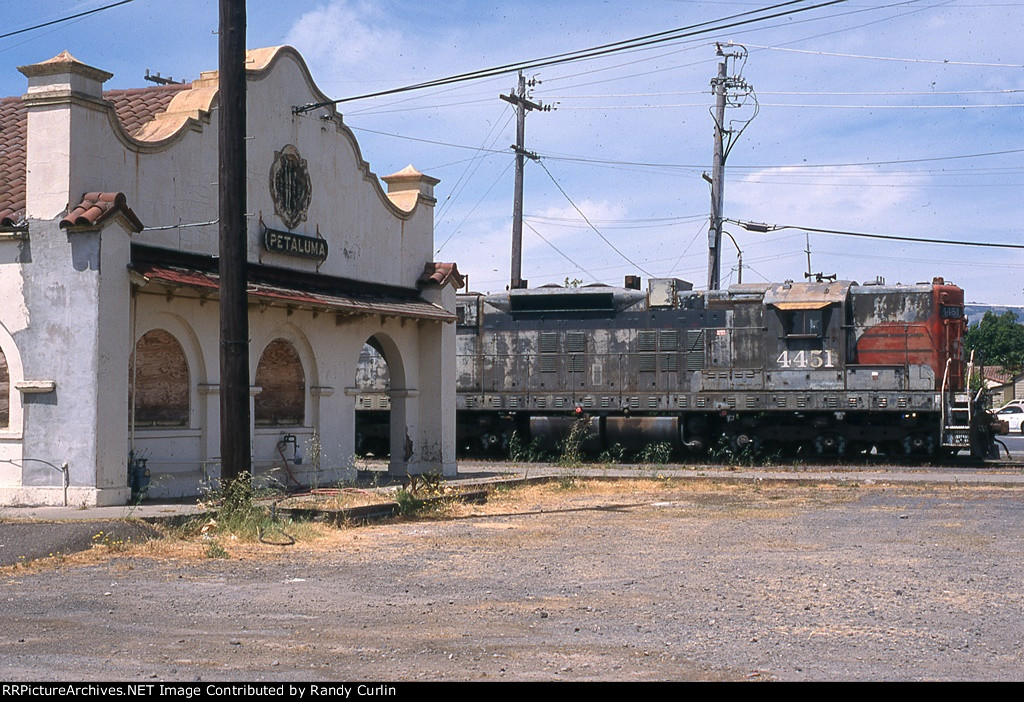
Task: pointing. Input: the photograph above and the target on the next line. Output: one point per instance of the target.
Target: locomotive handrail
(942, 401)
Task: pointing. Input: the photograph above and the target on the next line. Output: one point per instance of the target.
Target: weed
(613, 454)
(111, 543)
(315, 452)
(528, 453)
(234, 509)
(659, 453)
(571, 454)
(568, 481)
(727, 452)
(215, 550)
(408, 503)
(428, 484)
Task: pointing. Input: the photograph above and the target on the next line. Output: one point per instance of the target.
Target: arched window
(5, 393)
(158, 387)
(283, 398)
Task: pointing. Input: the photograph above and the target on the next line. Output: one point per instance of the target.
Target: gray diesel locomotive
(823, 368)
(826, 367)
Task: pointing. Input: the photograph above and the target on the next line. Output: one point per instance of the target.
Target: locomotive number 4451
(806, 359)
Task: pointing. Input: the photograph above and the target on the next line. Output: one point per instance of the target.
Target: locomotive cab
(806, 329)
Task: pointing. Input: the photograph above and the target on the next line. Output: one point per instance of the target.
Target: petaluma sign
(295, 244)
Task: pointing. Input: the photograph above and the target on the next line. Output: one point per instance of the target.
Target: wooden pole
(235, 444)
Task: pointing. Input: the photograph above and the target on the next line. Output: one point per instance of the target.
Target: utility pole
(819, 276)
(520, 100)
(807, 237)
(235, 447)
(724, 139)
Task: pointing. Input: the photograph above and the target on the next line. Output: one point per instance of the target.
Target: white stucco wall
(73, 313)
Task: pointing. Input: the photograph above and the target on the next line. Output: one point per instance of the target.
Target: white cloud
(825, 197)
(346, 37)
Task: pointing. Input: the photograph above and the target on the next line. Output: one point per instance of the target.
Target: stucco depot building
(109, 322)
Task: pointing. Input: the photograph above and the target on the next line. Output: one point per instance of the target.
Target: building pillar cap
(64, 63)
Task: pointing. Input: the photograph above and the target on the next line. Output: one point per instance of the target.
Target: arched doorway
(373, 407)
(392, 400)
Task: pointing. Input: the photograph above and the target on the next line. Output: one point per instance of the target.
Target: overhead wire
(941, 62)
(471, 168)
(596, 230)
(66, 18)
(429, 141)
(677, 34)
(471, 211)
(764, 228)
(560, 252)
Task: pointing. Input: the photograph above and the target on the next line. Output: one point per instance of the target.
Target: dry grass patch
(342, 498)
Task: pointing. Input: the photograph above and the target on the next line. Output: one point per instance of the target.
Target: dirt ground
(628, 580)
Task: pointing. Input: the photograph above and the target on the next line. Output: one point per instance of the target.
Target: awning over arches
(174, 270)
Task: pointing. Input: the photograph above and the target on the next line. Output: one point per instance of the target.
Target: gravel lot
(634, 580)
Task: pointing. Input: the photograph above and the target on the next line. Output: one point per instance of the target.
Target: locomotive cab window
(804, 324)
(466, 313)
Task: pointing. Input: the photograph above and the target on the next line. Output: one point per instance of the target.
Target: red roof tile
(135, 107)
(13, 125)
(441, 274)
(96, 207)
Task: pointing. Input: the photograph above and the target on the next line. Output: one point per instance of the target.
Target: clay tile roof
(441, 274)
(13, 125)
(96, 207)
(137, 106)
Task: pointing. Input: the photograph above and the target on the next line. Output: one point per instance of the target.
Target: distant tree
(999, 340)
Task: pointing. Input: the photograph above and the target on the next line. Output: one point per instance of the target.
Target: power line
(603, 237)
(583, 159)
(830, 93)
(764, 228)
(941, 62)
(468, 214)
(552, 156)
(65, 19)
(560, 252)
(872, 107)
(831, 106)
(469, 170)
(676, 34)
(430, 141)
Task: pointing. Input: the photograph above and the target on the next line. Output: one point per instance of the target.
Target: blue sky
(928, 84)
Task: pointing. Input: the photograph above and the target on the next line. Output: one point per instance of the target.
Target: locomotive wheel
(491, 442)
(830, 444)
(745, 443)
(919, 443)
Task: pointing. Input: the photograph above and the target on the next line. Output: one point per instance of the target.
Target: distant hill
(976, 311)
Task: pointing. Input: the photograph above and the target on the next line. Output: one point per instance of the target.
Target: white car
(1012, 415)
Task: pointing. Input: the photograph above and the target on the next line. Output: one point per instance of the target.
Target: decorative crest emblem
(290, 186)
